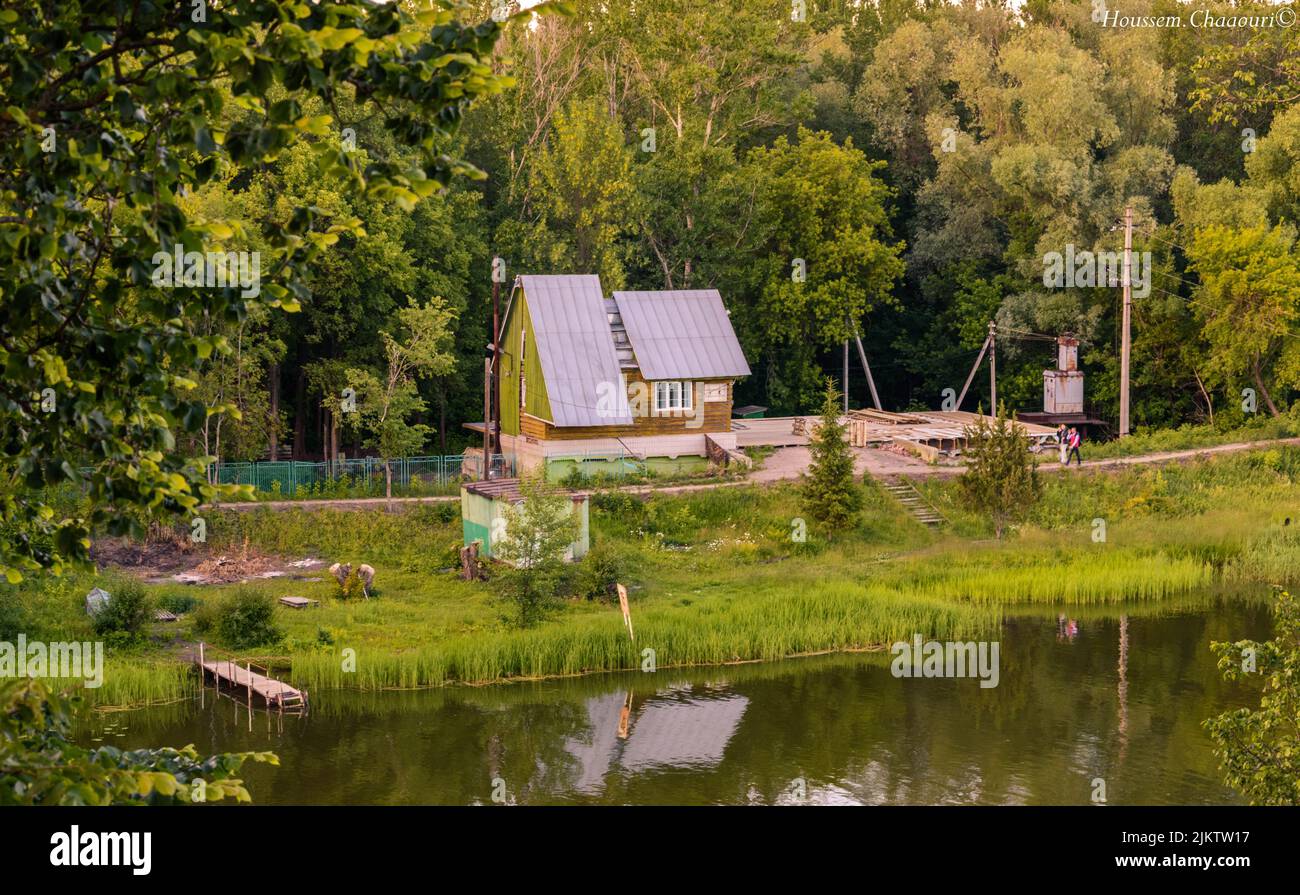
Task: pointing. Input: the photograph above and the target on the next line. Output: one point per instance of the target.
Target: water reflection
(682, 727)
(1121, 699)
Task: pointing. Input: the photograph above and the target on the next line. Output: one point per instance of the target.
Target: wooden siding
(537, 403)
(716, 417)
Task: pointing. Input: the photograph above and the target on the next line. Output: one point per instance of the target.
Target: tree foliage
(112, 113)
(537, 535)
(1259, 749)
(41, 765)
(386, 402)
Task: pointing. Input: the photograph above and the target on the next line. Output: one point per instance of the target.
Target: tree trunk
(442, 422)
(388, 478)
(300, 414)
(1263, 390)
(1209, 402)
(274, 440)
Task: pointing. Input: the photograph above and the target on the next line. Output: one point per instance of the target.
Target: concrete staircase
(913, 502)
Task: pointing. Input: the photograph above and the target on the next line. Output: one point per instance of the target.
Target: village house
(637, 379)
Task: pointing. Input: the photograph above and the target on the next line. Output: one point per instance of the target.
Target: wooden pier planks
(275, 693)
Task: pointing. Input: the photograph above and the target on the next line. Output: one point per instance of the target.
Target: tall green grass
(136, 681)
(839, 616)
(1106, 576)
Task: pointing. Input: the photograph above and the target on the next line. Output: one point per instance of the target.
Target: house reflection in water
(679, 727)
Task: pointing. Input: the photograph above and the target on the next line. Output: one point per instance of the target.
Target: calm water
(1066, 711)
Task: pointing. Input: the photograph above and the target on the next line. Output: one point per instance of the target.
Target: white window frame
(672, 395)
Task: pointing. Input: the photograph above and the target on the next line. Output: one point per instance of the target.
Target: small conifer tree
(1001, 480)
(830, 496)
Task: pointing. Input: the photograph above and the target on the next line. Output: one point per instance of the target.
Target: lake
(1088, 695)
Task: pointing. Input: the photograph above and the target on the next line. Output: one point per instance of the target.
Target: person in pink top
(1074, 439)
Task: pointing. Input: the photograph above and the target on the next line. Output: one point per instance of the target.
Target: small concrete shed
(482, 513)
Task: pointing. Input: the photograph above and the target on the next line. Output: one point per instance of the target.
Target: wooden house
(640, 378)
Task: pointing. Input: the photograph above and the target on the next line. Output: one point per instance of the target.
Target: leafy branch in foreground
(1259, 749)
(39, 765)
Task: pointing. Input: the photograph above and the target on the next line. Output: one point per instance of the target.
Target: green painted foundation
(559, 468)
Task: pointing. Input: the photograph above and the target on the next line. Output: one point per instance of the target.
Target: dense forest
(897, 168)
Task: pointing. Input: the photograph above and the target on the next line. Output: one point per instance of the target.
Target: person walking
(1074, 439)
(1062, 437)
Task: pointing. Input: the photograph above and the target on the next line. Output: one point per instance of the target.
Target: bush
(244, 618)
(177, 604)
(601, 569)
(351, 587)
(123, 620)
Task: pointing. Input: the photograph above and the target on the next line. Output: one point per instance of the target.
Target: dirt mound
(239, 567)
(156, 556)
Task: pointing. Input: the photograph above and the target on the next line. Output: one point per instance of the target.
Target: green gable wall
(538, 403)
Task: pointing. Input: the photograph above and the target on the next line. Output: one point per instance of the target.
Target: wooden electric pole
(844, 385)
(487, 414)
(993, 367)
(496, 365)
(1126, 344)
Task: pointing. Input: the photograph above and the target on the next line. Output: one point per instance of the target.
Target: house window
(672, 395)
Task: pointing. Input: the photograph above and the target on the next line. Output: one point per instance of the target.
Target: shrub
(124, 618)
(242, 619)
(574, 479)
(1000, 480)
(599, 571)
(178, 604)
(351, 587)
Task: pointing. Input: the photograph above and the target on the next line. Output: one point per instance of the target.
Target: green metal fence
(360, 475)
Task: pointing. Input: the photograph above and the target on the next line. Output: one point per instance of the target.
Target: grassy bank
(715, 577)
(1149, 441)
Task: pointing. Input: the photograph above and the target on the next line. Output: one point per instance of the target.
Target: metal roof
(576, 349)
(681, 334)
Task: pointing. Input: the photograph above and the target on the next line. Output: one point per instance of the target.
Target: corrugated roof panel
(575, 347)
(681, 334)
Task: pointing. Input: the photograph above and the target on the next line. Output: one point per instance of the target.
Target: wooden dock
(240, 676)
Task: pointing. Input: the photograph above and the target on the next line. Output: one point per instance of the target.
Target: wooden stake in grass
(627, 612)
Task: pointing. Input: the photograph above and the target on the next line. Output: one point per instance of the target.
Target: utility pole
(487, 414)
(993, 367)
(496, 364)
(1126, 342)
(845, 383)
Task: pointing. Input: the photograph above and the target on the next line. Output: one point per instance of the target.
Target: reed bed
(136, 681)
(1105, 577)
(838, 616)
